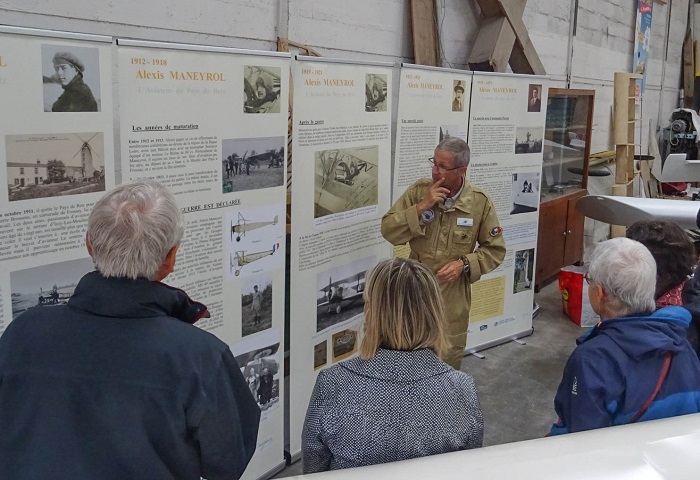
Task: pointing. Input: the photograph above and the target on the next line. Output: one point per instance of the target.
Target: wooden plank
(489, 8)
(531, 63)
(493, 48)
(425, 39)
(688, 69)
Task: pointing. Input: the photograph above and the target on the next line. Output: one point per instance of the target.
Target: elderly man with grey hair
(452, 227)
(636, 364)
(118, 383)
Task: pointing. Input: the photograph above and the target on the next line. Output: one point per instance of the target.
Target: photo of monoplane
(346, 179)
(243, 225)
(240, 258)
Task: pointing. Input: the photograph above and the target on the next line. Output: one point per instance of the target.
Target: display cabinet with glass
(566, 142)
(566, 149)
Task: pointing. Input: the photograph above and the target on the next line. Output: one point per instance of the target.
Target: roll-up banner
(506, 135)
(433, 105)
(211, 125)
(341, 189)
(503, 122)
(56, 161)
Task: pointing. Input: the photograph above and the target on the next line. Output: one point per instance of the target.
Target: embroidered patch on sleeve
(496, 231)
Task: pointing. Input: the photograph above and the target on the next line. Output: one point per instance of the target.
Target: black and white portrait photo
(256, 303)
(375, 92)
(71, 78)
(252, 163)
(51, 165)
(261, 89)
(458, 96)
(534, 97)
(528, 139)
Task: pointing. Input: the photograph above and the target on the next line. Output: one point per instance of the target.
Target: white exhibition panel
(433, 105)
(506, 136)
(210, 123)
(341, 188)
(656, 450)
(57, 158)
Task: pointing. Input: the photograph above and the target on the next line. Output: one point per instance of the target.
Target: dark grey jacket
(117, 385)
(394, 406)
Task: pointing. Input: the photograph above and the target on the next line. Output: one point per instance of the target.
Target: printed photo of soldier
(261, 89)
(375, 92)
(256, 304)
(71, 78)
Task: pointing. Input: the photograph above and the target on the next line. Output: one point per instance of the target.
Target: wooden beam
(688, 70)
(531, 61)
(426, 45)
(493, 47)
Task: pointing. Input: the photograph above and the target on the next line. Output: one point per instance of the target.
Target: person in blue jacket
(636, 364)
(118, 384)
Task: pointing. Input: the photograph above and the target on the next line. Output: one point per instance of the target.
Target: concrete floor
(517, 383)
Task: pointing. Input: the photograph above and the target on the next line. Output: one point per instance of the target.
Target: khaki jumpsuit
(452, 233)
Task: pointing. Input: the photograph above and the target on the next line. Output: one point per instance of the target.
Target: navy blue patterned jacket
(118, 385)
(394, 406)
(615, 369)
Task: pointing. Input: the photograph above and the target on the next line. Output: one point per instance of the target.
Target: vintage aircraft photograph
(243, 225)
(344, 290)
(240, 259)
(340, 290)
(252, 163)
(345, 179)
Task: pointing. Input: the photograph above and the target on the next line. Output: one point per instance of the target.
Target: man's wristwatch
(465, 268)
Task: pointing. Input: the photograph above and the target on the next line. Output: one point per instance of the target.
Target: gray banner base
(498, 341)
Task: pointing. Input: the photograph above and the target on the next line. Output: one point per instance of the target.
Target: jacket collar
(140, 298)
(464, 201)
(399, 366)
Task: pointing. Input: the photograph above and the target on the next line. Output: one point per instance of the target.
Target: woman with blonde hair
(397, 400)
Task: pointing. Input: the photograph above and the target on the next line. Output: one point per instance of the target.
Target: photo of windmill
(41, 166)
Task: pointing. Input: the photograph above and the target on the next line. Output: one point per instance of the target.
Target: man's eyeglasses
(441, 170)
(588, 279)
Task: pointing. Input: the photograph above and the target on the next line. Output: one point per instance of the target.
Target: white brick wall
(381, 30)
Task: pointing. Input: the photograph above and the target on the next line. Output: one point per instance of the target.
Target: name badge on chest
(465, 222)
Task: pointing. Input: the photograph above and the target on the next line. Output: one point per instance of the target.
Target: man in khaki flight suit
(443, 219)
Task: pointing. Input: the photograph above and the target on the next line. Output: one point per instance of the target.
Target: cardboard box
(574, 296)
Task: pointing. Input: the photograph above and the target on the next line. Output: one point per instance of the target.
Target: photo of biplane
(243, 225)
(240, 258)
(344, 290)
(345, 179)
(340, 293)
